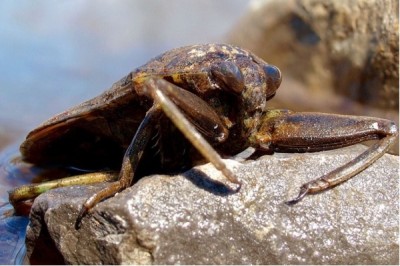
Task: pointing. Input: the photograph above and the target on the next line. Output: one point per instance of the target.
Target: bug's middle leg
(287, 131)
(129, 163)
(192, 115)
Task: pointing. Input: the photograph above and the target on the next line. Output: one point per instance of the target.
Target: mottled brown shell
(96, 133)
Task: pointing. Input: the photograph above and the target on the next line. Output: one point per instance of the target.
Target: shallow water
(12, 228)
(13, 222)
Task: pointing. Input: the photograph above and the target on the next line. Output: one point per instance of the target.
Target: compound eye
(228, 76)
(273, 76)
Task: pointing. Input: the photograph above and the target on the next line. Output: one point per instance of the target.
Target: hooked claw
(239, 186)
(303, 192)
(82, 213)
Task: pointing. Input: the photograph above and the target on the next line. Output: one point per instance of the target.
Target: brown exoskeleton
(212, 97)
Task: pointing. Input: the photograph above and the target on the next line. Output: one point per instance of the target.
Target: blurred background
(55, 54)
(335, 56)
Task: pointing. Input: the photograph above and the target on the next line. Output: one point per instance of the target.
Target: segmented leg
(158, 89)
(31, 191)
(129, 164)
(192, 108)
(283, 130)
(346, 171)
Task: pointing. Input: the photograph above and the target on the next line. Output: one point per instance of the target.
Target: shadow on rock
(203, 181)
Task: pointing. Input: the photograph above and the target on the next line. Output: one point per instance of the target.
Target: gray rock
(190, 219)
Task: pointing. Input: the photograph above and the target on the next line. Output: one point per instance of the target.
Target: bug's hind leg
(31, 191)
(346, 171)
(288, 131)
(129, 164)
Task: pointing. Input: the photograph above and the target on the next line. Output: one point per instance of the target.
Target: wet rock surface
(191, 219)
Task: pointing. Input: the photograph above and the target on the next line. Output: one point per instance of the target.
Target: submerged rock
(191, 219)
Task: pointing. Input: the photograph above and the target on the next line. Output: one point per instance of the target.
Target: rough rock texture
(190, 219)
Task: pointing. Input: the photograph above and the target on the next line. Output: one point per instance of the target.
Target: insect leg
(129, 164)
(33, 190)
(287, 131)
(201, 116)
